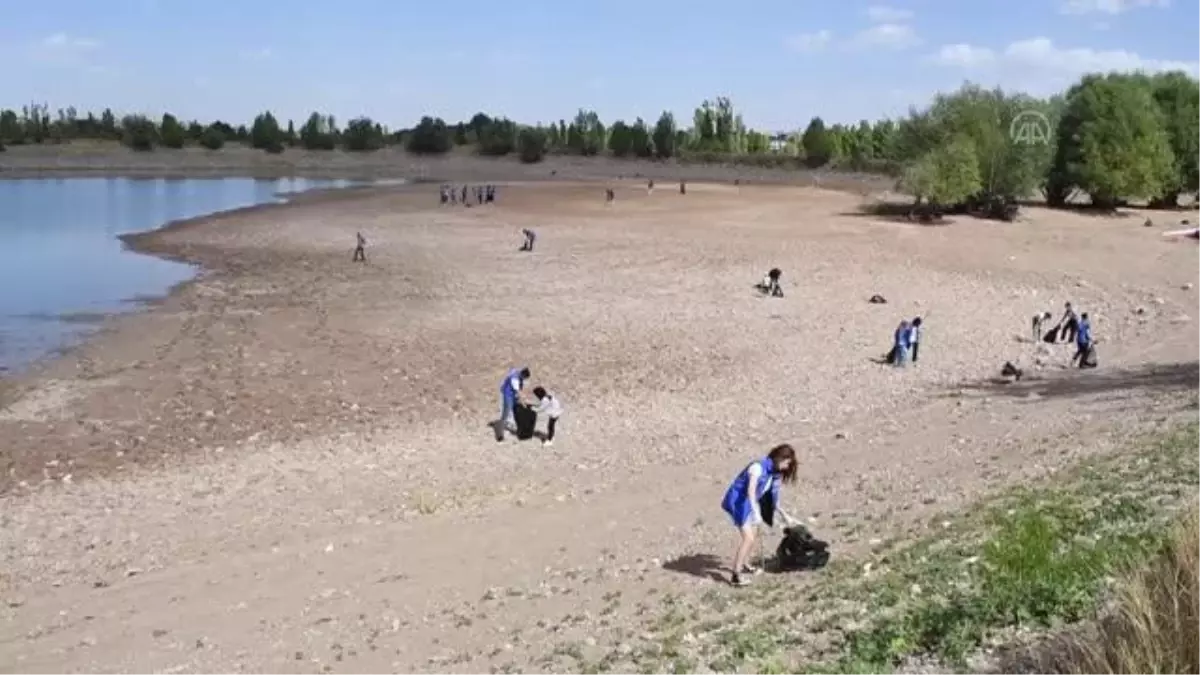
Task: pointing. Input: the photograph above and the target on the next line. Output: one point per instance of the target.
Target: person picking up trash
(755, 485)
(510, 396)
(549, 405)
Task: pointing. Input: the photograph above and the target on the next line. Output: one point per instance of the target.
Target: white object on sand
(1193, 232)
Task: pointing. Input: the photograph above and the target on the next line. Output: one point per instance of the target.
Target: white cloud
(1037, 65)
(1110, 7)
(887, 14)
(887, 35)
(64, 42)
(810, 42)
(1041, 53)
(963, 55)
(62, 49)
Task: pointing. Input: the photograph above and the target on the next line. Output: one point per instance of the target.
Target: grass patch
(1154, 626)
(1030, 561)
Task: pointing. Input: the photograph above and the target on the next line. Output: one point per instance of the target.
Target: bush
(532, 145)
(139, 133)
(429, 137)
(363, 135)
(171, 132)
(212, 138)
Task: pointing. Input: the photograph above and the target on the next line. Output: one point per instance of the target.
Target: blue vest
(737, 496)
(506, 385)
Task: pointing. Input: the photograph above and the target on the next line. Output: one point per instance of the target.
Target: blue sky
(780, 62)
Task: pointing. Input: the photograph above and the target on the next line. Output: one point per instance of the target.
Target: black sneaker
(739, 580)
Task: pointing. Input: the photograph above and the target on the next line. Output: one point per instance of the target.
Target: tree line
(1114, 137)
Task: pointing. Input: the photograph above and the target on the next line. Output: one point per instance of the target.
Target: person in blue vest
(510, 395)
(1083, 340)
(760, 481)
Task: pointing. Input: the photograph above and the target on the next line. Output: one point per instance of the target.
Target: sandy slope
(286, 466)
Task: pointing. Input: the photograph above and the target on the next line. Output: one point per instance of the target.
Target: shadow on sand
(702, 565)
(1112, 384)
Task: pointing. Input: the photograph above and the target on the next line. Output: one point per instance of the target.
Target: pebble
(1187, 286)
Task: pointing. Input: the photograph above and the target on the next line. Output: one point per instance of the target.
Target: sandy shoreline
(322, 426)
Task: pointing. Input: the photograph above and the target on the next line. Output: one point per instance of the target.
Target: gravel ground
(287, 466)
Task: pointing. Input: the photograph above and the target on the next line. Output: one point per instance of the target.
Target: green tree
(498, 138)
(139, 133)
(265, 133)
(1178, 99)
(532, 142)
(11, 131)
(641, 142)
(818, 144)
(317, 133)
(620, 139)
(948, 174)
(171, 132)
(586, 135)
(429, 137)
(1111, 142)
(665, 136)
(363, 135)
(212, 138)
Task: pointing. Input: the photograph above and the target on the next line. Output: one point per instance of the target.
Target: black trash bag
(526, 419)
(800, 550)
(1009, 370)
(1051, 335)
(1088, 360)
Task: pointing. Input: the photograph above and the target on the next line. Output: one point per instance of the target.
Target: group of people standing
(484, 194)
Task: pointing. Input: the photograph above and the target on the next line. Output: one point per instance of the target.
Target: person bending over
(760, 480)
(530, 237)
(550, 406)
(1069, 323)
(510, 396)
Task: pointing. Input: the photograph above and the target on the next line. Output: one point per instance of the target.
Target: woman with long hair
(761, 479)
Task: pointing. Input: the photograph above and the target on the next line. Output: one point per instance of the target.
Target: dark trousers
(916, 347)
(1069, 330)
(1081, 350)
(360, 255)
(550, 425)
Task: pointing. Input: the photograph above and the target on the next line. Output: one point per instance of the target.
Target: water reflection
(59, 256)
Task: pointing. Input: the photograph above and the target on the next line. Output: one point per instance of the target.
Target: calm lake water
(62, 267)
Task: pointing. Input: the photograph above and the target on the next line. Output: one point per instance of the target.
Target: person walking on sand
(360, 249)
(510, 396)
(760, 481)
(550, 406)
(1083, 340)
